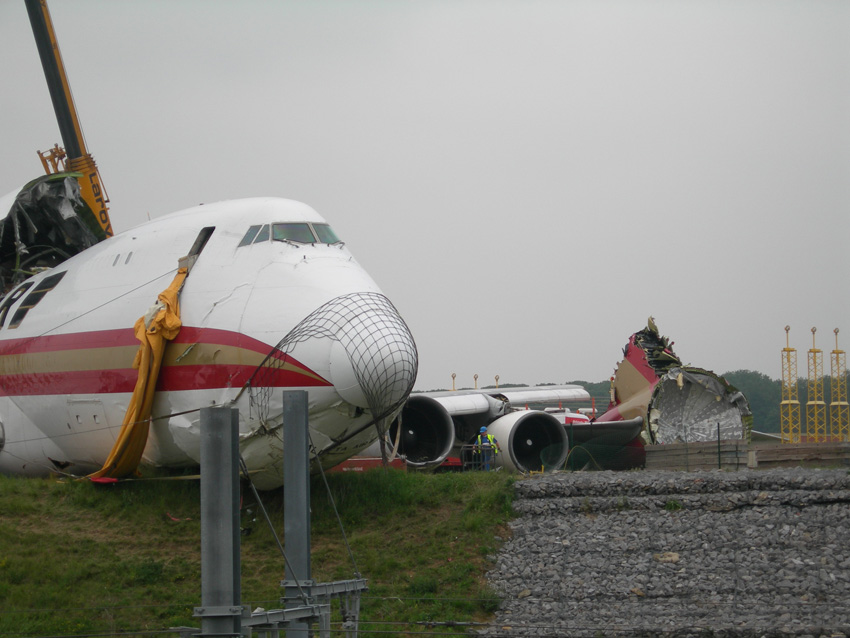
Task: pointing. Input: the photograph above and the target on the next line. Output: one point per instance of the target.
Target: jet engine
(530, 440)
(424, 432)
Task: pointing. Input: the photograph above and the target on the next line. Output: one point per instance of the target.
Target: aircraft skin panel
(26, 449)
(87, 420)
(465, 403)
(78, 438)
(541, 394)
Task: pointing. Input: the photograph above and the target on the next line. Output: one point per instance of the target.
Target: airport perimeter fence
(739, 455)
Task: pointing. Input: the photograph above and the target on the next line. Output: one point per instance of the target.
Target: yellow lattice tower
(789, 408)
(815, 405)
(839, 411)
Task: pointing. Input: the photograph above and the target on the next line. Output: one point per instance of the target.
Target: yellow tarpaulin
(160, 325)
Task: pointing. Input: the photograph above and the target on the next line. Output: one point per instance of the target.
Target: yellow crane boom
(75, 157)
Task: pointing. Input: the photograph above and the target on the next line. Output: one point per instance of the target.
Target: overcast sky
(528, 180)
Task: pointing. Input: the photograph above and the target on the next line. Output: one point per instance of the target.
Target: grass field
(79, 559)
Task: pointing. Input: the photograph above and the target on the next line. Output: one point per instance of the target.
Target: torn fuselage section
(678, 403)
(45, 223)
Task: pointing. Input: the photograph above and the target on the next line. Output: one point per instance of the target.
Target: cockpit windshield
(325, 234)
(300, 233)
(291, 232)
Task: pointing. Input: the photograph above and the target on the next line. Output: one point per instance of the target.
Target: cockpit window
(325, 233)
(263, 235)
(249, 236)
(300, 233)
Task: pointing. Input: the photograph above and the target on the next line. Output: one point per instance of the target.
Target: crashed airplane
(107, 357)
(110, 345)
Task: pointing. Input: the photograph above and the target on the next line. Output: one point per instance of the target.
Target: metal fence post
(719, 463)
(221, 591)
(296, 504)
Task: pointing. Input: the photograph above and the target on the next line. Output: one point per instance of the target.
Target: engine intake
(530, 440)
(427, 432)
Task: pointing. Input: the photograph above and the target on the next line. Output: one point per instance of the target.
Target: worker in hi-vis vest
(487, 447)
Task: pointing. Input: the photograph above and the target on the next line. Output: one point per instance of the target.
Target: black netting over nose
(376, 339)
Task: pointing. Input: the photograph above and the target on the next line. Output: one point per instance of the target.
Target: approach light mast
(74, 157)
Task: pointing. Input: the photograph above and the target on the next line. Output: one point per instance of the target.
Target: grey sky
(527, 181)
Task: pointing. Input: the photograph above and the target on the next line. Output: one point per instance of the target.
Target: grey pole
(719, 464)
(220, 610)
(296, 504)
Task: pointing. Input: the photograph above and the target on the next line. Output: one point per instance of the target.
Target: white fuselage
(66, 361)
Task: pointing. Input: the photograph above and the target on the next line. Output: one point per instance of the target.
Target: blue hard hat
(483, 430)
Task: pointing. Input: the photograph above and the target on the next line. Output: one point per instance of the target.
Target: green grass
(78, 559)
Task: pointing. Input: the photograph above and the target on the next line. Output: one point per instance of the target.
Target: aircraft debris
(679, 403)
(46, 222)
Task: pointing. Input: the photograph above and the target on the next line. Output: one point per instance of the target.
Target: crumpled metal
(48, 223)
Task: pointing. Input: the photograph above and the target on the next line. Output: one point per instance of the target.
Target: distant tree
(763, 394)
(601, 389)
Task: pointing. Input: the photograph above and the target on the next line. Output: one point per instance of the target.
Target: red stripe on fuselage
(172, 377)
(126, 337)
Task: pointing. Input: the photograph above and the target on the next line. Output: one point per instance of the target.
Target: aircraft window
(46, 285)
(263, 235)
(11, 298)
(249, 236)
(325, 234)
(201, 240)
(299, 233)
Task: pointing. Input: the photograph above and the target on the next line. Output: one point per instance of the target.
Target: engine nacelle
(530, 440)
(427, 432)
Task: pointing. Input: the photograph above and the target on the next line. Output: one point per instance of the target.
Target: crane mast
(74, 157)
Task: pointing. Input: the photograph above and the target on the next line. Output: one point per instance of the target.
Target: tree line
(765, 394)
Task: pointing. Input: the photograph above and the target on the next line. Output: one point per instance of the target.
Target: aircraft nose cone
(373, 358)
(374, 362)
